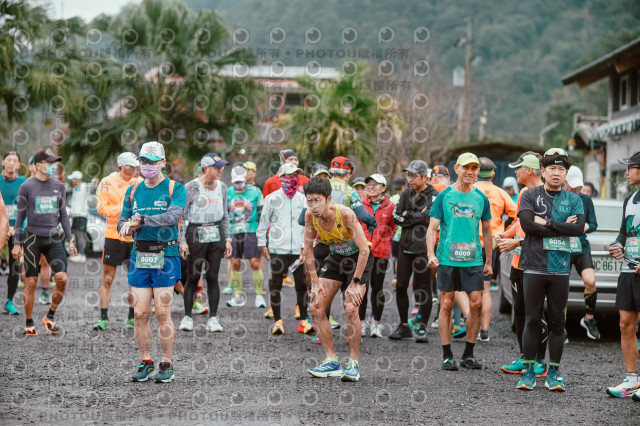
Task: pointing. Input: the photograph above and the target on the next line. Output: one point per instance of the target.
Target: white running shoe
(186, 324)
(260, 302)
(375, 331)
(364, 328)
(237, 301)
(434, 324)
(624, 389)
(213, 325)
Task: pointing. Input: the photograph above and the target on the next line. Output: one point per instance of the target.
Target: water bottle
(294, 266)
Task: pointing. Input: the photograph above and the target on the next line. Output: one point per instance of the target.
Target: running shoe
(199, 308)
(434, 324)
(375, 330)
(460, 333)
(333, 323)
(144, 373)
(44, 299)
(260, 302)
(483, 335)
(287, 282)
(296, 313)
(236, 301)
(589, 324)
(516, 367)
(625, 389)
(413, 323)
(102, 324)
(528, 380)
(166, 374)
(540, 369)
(316, 341)
(363, 328)
(351, 372)
(566, 338)
(186, 324)
(470, 363)
(20, 284)
(129, 323)
(636, 396)
(228, 289)
(49, 325)
(449, 364)
(402, 332)
(30, 331)
(421, 335)
(10, 308)
(330, 367)
(554, 381)
(269, 313)
(278, 328)
(213, 325)
(305, 328)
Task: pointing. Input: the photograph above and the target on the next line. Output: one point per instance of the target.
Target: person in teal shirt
(10, 183)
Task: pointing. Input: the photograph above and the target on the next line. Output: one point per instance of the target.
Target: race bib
(240, 228)
(462, 252)
(12, 211)
(347, 248)
(556, 243)
(150, 260)
(632, 248)
(46, 204)
(208, 234)
(575, 245)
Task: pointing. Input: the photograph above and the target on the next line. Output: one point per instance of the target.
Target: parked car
(609, 215)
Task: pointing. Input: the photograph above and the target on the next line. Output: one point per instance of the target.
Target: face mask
(51, 170)
(149, 171)
(289, 185)
(239, 186)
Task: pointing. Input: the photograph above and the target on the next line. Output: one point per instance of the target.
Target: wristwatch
(357, 280)
(142, 218)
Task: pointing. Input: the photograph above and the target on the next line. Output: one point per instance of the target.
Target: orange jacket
(110, 197)
(501, 202)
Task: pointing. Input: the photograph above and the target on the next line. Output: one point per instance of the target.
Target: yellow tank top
(339, 239)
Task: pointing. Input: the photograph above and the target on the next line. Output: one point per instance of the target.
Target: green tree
(162, 82)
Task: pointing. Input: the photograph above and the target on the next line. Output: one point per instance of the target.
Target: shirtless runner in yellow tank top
(347, 268)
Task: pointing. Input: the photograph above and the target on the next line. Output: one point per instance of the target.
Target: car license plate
(606, 264)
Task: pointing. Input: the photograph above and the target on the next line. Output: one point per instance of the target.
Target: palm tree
(338, 118)
(163, 84)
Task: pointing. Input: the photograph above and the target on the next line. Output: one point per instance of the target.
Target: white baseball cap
(378, 178)
(152, 151)
(238, 174)
(574, 177)
(77, 174)
(127, 159)
(288, 168)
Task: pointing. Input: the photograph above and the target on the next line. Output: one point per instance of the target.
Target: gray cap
(417, 166)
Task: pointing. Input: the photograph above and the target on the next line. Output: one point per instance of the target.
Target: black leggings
(14, 273)
(518, 309)
(203, 258)
(380, 265)
(416, 263)
(279, 267)
(556, 289)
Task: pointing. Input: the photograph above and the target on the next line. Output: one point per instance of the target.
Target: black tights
(209, 263)
(556, 290)
(279, 267)
(378, 299)
(519, 314)
(416, 263)
(14, 273)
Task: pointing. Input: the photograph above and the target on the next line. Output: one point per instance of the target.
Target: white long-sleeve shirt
(280, 216)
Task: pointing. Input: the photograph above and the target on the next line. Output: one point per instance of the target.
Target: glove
(126, 229)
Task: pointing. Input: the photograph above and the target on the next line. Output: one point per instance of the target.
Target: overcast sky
(86, 9)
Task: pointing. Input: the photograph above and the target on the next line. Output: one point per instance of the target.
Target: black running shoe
(165, 375)
(470, 363)
(590, 325)
(402, 332)
(449, 364)
(144, 373)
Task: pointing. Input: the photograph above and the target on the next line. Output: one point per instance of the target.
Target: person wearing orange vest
(527, 170)
(117, 249)
(501, 203)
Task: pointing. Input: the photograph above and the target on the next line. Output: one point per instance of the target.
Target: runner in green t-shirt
(458, 211)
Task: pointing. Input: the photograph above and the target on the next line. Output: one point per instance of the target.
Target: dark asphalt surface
(246, 376)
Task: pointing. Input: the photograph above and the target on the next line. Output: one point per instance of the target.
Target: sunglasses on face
(146, 161)
(633, 167)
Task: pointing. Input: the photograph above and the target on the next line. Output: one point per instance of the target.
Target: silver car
(609, 216)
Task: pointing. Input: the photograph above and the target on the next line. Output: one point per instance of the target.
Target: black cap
(417, 166)
(634, 159)
(399, 182)
(45, 154)
(8, 153)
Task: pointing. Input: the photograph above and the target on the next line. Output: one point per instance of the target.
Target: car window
(609, 217)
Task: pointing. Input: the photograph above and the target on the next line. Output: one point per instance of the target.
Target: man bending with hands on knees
(347, 268)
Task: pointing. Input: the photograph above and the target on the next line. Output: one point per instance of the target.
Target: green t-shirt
(460, 214)
(243, 209)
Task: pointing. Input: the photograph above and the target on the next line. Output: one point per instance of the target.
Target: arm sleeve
(225, 227)
(64, 217)
(263, 226)
(21, 214)
(173, 214)
(182, 235)
(301, 217)
(125, 215)
(622, 234)
(569, 229)
(362, 215)
(530, 227)
(590, 214)
(398, 217)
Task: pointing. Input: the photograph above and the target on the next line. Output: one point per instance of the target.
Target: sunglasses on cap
(556, 151)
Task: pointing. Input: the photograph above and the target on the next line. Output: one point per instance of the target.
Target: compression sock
(236, 282)
(446, 351)
(590, 302)
(50, 314)
(103, 313)
(131, 313)
(468, 350)
(258, 280)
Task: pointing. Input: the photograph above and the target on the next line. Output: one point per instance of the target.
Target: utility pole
(465, 116)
